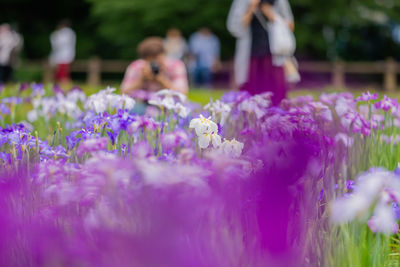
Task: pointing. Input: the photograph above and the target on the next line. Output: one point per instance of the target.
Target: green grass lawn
(203, 96)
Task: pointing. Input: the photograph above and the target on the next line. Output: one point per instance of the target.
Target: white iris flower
(207, 131)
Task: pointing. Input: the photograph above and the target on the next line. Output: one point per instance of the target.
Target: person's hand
(290, 25)
(147, 73)
(268, 11)
(254, 4)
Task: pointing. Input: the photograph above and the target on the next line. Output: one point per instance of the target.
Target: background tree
(350, 29)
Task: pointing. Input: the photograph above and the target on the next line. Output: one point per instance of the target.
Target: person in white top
(63, 42)
(175, 45)
(10, 45)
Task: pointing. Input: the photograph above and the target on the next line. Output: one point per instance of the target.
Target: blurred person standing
(10, 45)
(154, 71)
(205, 47)
(175, 45)
(63, 42)
(254, 68)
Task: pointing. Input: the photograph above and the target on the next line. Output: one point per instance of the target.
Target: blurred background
(341, 43)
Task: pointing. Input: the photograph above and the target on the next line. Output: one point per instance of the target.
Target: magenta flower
(174, 140)
(355, 122)
(387, 104)
(367, 97)
(329, 99)
(92, 145)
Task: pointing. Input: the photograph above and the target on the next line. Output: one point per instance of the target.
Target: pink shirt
(174, 69)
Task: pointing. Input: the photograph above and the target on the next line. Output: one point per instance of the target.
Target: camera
(155, 68)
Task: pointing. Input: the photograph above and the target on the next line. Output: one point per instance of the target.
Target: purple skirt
(265, 77)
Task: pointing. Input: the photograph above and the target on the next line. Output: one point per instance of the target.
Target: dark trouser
(5, 73)
(265, 77)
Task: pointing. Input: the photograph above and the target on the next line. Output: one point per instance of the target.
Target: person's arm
(135, 76)
(127, 88)
(248, 15)
(268, 11)
(234, 22)
(283, 8)
(178, 82)
(164, 81)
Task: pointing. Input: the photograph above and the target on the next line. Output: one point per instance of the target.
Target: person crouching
(154, 71)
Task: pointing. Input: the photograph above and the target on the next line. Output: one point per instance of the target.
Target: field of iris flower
(105, 179)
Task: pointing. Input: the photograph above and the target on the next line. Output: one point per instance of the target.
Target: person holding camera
(154, 70)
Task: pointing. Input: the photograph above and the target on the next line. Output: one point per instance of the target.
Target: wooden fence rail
(94, 67)
(338, 70)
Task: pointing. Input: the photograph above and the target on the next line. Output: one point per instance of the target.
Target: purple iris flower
(6, 157)
(124, 148)
(92, 145)
(350, 185)
(72, 141)
(235, 97)
(38, 89)
(142, 122)
(4, 109)
(3, 139)
(396, 210)
(328, 99)
(387, 104)
(76, 88)
(57, 89)
(142, 149)
(397, 172)
(367, 97)
(88, 133)
(14, 137)
(46, 151)
(113, 136)
(60, 151)
(23, 87)
(174, 140)
(12, 100)
(321, 195)
(115, 125)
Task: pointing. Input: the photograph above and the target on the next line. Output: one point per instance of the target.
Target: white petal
(201, 129)
(194, 123)
(216, 140)
(204, 141)
(383, 220)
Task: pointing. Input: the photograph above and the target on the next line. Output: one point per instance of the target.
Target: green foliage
(324, 29)
(127, 22)
(112, 29)
(28, 74)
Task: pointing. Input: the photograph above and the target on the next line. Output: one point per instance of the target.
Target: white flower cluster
(219, 110)
(106, 99)
(63, 104)
(170, 100)
(376, 191)
(207, 132)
